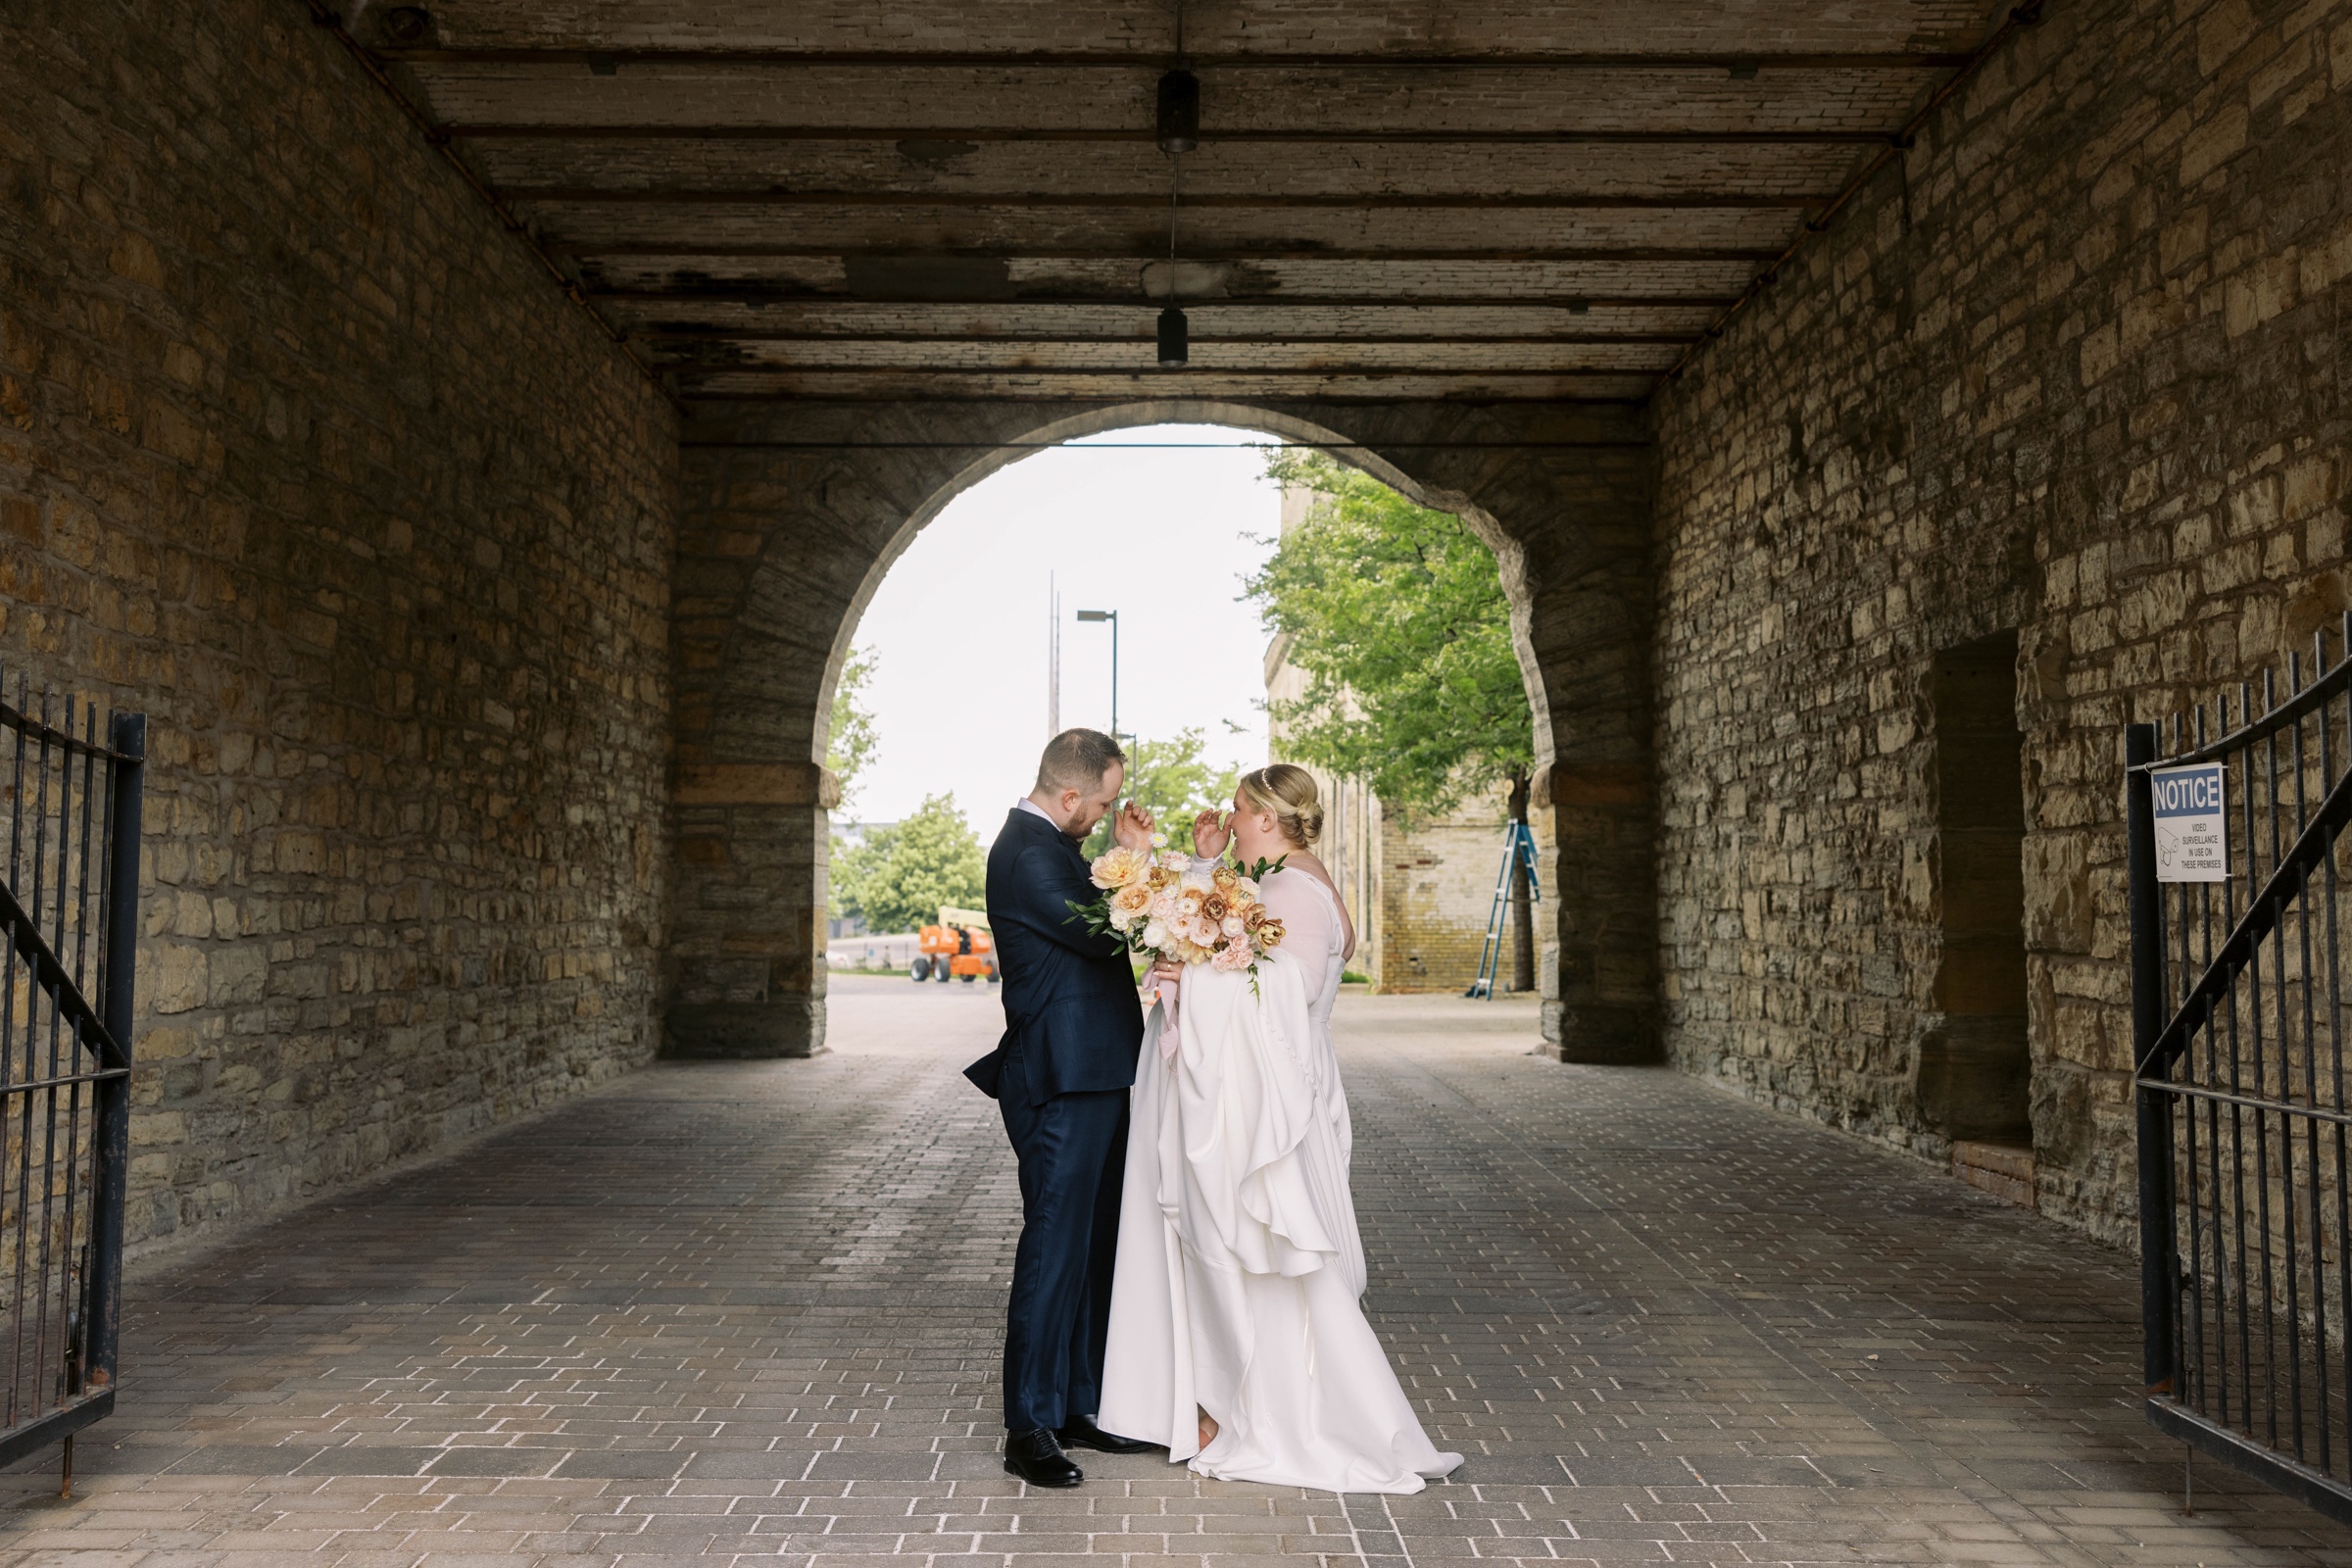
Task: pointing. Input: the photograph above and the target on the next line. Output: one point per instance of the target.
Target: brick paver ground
(751, 1311)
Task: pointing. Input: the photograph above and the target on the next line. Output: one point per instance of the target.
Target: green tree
(851, 739)
(900, 875)
(1173, 780)
(1397, 616)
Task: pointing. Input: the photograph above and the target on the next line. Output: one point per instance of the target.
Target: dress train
(1240, 1265)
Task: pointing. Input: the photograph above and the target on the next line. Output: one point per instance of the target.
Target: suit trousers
(1072, 1152)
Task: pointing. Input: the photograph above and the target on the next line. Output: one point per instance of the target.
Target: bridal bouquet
(1157, 903)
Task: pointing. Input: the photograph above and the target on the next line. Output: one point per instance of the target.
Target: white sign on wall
(2192, 836)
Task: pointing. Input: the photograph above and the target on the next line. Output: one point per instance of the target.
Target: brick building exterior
(1420, 896)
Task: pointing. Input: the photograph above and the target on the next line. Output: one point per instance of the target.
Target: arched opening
(796, 517)
(1235, 418)
(1167, 525)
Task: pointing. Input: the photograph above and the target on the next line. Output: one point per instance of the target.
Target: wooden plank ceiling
(966, 197)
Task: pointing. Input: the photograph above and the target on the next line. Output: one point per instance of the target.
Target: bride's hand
(1165, 974)
(1213, 830)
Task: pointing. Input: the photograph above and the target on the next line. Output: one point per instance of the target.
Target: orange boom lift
(960, 946)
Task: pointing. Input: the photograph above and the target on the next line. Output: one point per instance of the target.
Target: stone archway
(791, 516)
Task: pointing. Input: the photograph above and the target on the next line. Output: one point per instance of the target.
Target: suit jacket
(1070, 1003)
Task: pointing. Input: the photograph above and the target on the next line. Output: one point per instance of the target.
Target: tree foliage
(900, 876)
(851, 738)
(1174, 780)
(1397, 616)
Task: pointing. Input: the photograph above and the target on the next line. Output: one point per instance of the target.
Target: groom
(1061, 1076)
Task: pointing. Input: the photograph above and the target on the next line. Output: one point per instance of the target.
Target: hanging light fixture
(1178, 127)
(1175, 339)
(1179, 112)
(1175, 332)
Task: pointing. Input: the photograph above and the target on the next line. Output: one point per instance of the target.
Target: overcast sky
(959, 627)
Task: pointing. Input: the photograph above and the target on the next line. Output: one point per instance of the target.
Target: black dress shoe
(1080, 1433)
(1038, 1459)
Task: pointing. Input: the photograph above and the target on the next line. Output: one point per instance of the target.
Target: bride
(1236, 1336)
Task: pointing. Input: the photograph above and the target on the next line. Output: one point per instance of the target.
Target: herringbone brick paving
(753, 1312)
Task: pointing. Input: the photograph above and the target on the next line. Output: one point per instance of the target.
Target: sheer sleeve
(1309, 921)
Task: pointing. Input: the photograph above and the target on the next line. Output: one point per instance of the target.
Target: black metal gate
(2237, 1007)
(69, 910)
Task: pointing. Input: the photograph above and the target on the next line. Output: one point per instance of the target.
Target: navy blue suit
(1061, 1075)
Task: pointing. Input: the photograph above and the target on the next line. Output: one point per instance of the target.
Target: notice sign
(2192, 844)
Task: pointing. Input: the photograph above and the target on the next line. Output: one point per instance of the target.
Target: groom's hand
(1133, 828)
(1211, 832)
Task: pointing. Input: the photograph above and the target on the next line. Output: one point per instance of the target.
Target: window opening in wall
(1974, 1067)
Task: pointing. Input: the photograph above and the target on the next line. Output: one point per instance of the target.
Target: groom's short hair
(1077, 760)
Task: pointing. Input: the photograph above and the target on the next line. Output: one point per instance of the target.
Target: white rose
(1155, 935)
(1231, 925)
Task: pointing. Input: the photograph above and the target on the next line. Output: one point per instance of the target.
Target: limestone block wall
(304, 455)
(2075, 372)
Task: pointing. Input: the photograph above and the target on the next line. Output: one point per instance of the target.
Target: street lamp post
(1112, 616)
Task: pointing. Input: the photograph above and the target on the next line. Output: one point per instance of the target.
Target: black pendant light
(1175, 339)
(1178, 127)
(1179, 112)
(1175, 333)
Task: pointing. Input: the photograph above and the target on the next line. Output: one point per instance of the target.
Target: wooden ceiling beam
(1030, 200)
(688, 249)
(1386, 373)
(1574, 305)
(1731, 63)
(725, 334)
(549, 132)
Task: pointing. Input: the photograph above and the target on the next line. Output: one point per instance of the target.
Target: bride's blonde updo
(1289, 791)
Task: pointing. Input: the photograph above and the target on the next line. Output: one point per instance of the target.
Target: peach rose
(1118, 866)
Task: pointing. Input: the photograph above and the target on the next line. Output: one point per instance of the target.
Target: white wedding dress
(1240, 1266)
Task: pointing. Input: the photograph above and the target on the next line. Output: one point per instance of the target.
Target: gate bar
(2316, 1490)
(2159, 1282)
(112, 1098)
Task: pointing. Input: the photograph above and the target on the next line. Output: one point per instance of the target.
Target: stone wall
(305, 456)
(2078, 370)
